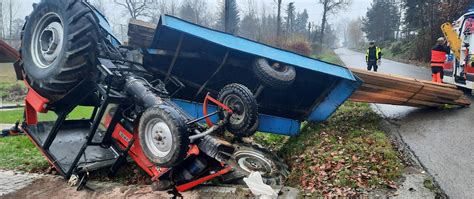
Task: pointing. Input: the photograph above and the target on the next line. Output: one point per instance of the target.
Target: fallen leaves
(346, 156)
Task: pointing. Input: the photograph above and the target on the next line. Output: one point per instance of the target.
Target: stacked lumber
(140, 33)
(390, 89)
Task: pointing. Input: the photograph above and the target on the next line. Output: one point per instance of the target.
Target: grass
(7, 73)
(11, 116)
(329, 56)
(348, 152)
(8, 82)
(19, 153)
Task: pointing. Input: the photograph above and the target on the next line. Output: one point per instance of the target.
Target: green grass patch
(12, 92)
(11, 116)
(330, 56)
(19, 153)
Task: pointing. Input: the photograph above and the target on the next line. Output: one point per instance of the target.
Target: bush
(396, 48)
(299, 45)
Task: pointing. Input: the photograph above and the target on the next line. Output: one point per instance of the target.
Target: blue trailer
(206, 60)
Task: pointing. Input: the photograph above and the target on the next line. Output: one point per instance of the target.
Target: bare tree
(1, 20)
(12, 7)
(99, 5)
(135, 8)
(250, 24)
(355, 36)
(330, 7)
(342, 29)
(160, 7)
(195, 11)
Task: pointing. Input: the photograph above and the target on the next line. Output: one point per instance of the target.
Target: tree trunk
(323, 25)
(278, 22)
(11, 18)
(226, 16)
(2, 32)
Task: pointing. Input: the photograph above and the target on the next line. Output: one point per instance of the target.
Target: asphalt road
(442, 140)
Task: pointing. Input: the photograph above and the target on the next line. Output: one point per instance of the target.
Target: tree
(341, 28)
(2, 32)
(330, 7)
(11, 7)
(195, 11)
(160, 7)
(229, 17)
(278, 19)
(135, 8)
(99, 5)
(250, 26)
(302, 22)
(422, 21)
(381, 21)
(355, 36)
(290, 17)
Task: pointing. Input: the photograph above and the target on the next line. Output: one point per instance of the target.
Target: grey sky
(358, 8)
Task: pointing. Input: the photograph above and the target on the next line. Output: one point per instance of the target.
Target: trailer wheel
(244, 121)
(163, 136)
(59, 46)
(251, 158)
(274, 75)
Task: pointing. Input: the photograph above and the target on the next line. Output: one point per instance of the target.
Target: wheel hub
(158, 137)
(47, 42)
(237, 106)
(250, 162)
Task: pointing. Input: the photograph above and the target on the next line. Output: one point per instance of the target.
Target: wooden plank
(391, 89)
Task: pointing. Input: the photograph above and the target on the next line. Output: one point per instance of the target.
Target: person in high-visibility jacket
(373, 56)
(438, 57)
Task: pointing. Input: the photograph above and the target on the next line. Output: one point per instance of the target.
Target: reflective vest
(438, 58)
(377, 53)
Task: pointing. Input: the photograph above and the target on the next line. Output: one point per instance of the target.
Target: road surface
(442, 140)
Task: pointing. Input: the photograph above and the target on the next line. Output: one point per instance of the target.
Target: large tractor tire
(250, 158)
(59, 46)
(163, 136)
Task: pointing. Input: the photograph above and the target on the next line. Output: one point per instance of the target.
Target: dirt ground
(54, 187)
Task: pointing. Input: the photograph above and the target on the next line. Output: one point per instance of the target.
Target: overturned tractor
(165, 106)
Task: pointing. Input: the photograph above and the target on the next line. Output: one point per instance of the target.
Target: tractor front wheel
(163, 136)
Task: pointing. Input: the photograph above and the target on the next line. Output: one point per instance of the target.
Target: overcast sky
(358, 8)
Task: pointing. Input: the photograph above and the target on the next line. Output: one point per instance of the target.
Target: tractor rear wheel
(251, 158)
(59, 46)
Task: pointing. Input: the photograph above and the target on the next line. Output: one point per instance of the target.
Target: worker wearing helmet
(438, 57)
(373, 56)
